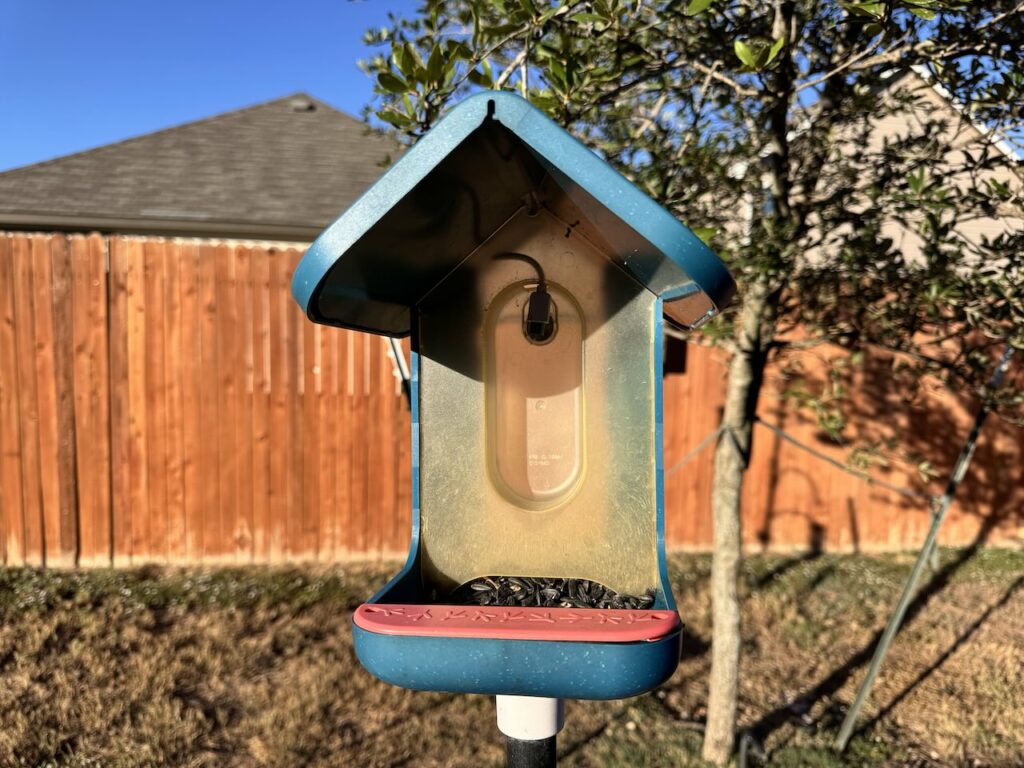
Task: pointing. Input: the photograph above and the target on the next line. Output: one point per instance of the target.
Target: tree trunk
(731, 458)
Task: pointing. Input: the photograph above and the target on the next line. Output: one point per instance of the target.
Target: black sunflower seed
(547, 592)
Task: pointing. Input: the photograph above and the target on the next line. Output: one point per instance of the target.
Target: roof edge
(563, 152)
(29, 222)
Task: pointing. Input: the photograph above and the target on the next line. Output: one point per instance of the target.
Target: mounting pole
(939, 511)
(531, 725)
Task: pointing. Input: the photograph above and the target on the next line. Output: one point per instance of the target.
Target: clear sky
(77, 74)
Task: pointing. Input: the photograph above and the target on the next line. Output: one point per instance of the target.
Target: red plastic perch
(498, 623)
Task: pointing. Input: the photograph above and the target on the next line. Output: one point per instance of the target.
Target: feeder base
(496, 666)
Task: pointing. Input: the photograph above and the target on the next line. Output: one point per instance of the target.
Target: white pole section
(529, 718)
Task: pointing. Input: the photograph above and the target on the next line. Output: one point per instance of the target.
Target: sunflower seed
(547, 592)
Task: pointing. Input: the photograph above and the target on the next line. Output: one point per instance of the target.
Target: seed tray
(542, 592)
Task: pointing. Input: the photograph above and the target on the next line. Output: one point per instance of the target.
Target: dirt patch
(256, 668)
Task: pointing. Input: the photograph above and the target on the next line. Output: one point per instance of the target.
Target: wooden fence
(166, 401)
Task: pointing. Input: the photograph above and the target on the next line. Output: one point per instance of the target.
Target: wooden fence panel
(28, 408)
(166, 401)
(12, 514)
(120, 447)
(91, 397)
(193, 432)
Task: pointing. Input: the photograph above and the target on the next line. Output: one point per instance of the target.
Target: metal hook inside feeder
(540, 319)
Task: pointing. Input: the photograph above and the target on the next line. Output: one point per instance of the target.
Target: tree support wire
(939, 510)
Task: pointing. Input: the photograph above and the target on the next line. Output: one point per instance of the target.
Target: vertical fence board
(260, 269)
(343, 545)
(155, 398)
(138, 419)
(11, 457)
(280, 433)
(295, 351)
(120, 441)
(326, 458)
(58, 380)
(226, 315)
(360, 425)
(213, 536)
(173, 257)
(51, 466)
(309, 371)
(24, 326)
(245, 382)
(92, 398)
(193, 429)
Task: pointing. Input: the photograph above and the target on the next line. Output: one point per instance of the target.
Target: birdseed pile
(530, 591)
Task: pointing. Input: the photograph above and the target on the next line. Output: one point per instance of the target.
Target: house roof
(278, 170)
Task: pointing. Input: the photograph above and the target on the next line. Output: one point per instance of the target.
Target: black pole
(530, 754)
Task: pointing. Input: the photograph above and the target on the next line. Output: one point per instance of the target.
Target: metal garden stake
(938, 516)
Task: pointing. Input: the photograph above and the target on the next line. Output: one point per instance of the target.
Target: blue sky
(75, 75)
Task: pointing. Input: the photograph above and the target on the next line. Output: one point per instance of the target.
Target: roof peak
(297, 96)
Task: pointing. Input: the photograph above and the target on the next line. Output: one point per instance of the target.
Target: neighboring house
(977, 156)
(163, 399)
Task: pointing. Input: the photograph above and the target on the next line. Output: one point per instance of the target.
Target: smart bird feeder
(533, 280)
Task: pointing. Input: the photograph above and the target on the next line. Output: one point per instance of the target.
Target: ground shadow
(815, 548)
(964, 636)
(797, 709)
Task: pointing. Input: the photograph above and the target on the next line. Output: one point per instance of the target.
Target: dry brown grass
(256, 668)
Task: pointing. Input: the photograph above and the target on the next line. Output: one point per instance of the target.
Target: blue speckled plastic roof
(489, 157)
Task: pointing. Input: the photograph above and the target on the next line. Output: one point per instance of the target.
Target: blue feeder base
(555, 669)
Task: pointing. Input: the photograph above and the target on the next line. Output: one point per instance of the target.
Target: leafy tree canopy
(758, 123)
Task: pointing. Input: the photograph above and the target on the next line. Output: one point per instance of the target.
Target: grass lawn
(254, 667)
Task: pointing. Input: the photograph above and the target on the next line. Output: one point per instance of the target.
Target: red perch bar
(500, 623)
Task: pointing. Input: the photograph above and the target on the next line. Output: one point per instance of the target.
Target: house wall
(166, 401)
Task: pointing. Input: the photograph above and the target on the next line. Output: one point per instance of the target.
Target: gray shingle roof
(283, 169)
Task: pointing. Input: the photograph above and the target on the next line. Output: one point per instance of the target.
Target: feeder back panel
(538, 459)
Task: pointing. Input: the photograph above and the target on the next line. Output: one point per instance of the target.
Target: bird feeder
(533, 281)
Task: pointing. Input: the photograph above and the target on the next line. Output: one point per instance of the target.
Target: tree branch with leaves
(764, 126)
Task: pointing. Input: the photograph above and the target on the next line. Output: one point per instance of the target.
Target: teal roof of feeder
(490, 156)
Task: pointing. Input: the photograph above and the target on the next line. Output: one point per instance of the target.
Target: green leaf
(587, 18)
(435, 64)
(459, 50)
(698, 6)
(392, 83)
(744, 53)
(482, 79)
(873, 10)
(924, 13)
(774, 50)
(556, 70)
(417, 70)
(395, 118)
(503, 29)
(403, 58)
(916, 181)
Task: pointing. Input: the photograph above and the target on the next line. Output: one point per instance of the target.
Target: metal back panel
(582, 501)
